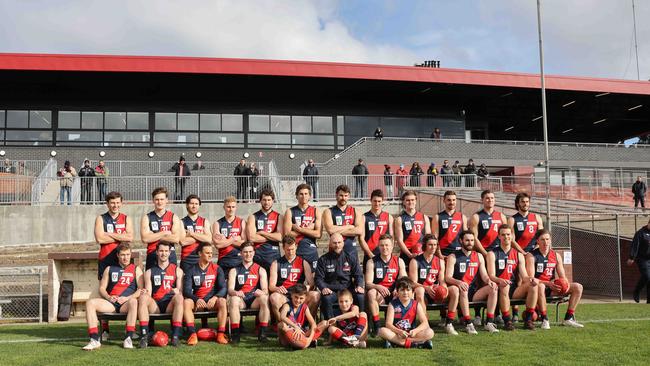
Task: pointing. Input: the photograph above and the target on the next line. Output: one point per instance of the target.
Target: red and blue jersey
(349, 325)
(297, 315)
(428, 271)
(204, 283)
(190, 252)
(466, 267)
(303, 219)
(505, 264)
(163, 282)
(449, 228)
(229, 230)
(121, 280)
(158, 224)
(374, 227)
(488, 229)
(525, 230)
(266, 222)
(111, 225)
(386, 273)
(545, 266)
(345, 217)
(290, 273)
(413, 231)
(247, 280)
(405, 316)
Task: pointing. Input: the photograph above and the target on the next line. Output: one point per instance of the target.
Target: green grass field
(613, 334)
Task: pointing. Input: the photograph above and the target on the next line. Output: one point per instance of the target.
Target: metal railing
(21, 296)
(23, 167)
(150, 167)
(44, 178)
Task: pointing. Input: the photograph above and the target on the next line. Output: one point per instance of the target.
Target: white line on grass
(614, 320)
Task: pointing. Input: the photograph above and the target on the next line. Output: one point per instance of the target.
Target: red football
(563, 284)
(296, 339)
(160, 339)
(440, 293)
(206, 334)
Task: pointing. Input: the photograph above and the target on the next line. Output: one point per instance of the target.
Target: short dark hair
(163, 243)
(113, 195)
(404, 282)
(386, 236)
(449, 193)
(288, 240)
(247, 244)
(343, 188)
(192, 197)
(503, 227)
(303, 186)
(122, 248)
(158, 191)
(487, 191)
(267, 192)
(428, 237)
(298, 289)
(344, 292)
(519, 196)
(409, 192)
(465, 232)
(376, 193)
(541, 232)
(203, 245)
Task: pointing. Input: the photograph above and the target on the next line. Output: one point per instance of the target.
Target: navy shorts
(163, 303)
(117, 306)
(248, 299)
(471, 292)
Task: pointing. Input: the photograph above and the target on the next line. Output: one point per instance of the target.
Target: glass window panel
(312, 139)
(115, 120)
(341, 142)
(138, 121)
(66, 136)
(92, 120)
(165, 121)
(210, 122)
(188, 121)
(2, 118)
(339, 125)
(17, 119)
(301, 123)
(180, 138)
(69, 119)
(125, 138)
(254, 138)
(2, 136)
(322, 124)
(319, 147)
(280, 124)
(222, 138)
(258, 123)
(232, 122)
(40, 119)
(28, 135)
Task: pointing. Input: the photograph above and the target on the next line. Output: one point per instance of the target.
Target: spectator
(87, 175)
(181, 173)
(8, 167)
(470, 169)
(388, 182)
(379, 133)
(310, 175)
(436, 135)
(446, 172)
(432, 173)
(253, 173)
(402, 176)
(101, 172)
(457, 171)
(241, 173)
(482, 172)
(360, 172)
(66, 177)
(639, 189)
(415, 174)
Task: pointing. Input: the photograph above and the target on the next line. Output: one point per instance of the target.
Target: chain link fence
(21, 297)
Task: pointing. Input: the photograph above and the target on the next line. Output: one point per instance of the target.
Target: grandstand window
(165, 121)
(265, 138)
(322, 124)
(117, 138)
(92, 120)
(280, 124)
(221, 138)
(232, 122)
(210, 122)
(137, 120)
(301, 124)
(88, 138)
(176, 139)
(258, 123)
(2, 118)
(69, 119)
(312, 139)
(115, 120)
(188, 121)
(340, 141)
(339, 125)
(40, 119)
(17, 119)
(30, 135)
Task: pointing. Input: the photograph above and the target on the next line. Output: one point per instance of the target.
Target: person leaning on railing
(101, 172)
(66, 178)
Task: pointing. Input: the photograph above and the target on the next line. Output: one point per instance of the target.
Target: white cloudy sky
(582, 37)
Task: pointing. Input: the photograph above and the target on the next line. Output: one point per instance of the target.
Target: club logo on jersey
(260, 224)
(371, 226)
(330, 268)
(283, 273)
(197, 280)
(346, 267)
(110, 228)
(298, 220)
(462, 267)
(540, 267)
(241, 279)
(502, 264)
(224, 231)
(157, 280)
(379, 272)
(190, 228)
(314, 263)
(114, 276)
(423, 273)
(154, 226)
(407, 225)
(520, 226)
(403, 324)
(445, 224)
(339, 220)
(485, 224)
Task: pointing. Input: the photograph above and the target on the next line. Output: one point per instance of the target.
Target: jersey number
(125, 281)
(531, 229)
(454, 228)
(293, 277)
(417, 228)
(208, 283)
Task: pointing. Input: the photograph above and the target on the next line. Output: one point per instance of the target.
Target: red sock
(543, 313)
(530, 310)
(338, 334)
(451, 315)
(177, 324)
(105, 325)
(235, 326)
(570, 311)
(130, 328)
(264, 324)
(467, 318)
(407, 343)
(505, 314)
(144, 324)
(221, 329)
(375, 318)
(92, 331)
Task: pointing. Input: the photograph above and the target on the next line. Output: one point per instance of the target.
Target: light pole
(547, 168)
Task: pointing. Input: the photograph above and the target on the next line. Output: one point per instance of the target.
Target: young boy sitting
(295, 317)
(401, 316)
(348, 326)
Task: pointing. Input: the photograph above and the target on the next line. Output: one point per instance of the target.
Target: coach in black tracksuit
(337, 270)
(640, 253)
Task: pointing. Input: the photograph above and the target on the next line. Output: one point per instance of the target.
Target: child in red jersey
(349, 325)
(297, 326)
